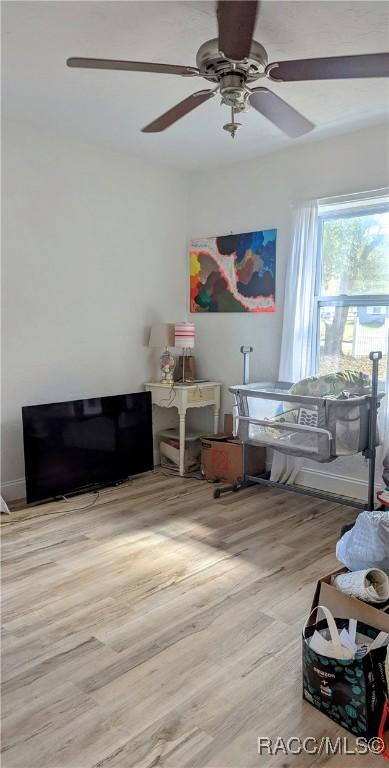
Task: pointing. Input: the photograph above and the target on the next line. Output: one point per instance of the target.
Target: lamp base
(185, 372)
(167, 364)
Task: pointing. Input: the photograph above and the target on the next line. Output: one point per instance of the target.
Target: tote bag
(353, 692)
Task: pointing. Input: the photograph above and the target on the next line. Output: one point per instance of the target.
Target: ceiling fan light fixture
(234, 92)
(232, 128)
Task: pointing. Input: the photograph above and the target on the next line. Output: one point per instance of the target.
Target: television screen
(75, 446)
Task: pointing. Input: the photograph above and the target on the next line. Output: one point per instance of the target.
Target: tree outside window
(353, 301)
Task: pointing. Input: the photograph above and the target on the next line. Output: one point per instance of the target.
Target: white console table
(184, 396)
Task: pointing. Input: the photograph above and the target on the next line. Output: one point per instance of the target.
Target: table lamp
(162, 335)
(184, 337)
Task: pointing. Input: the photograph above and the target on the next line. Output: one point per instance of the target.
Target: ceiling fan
(234, 60)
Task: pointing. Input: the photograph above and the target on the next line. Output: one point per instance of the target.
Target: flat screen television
(83, 444)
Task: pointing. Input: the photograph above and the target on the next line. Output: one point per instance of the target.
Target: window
(352, 292)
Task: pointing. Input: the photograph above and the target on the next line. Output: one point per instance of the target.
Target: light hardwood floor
(161, 628)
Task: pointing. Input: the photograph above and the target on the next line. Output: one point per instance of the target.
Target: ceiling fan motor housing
(231, 76)
(213, 64)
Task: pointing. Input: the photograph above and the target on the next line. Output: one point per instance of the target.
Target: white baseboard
(312, 478)
(329, 482)
(13, 490)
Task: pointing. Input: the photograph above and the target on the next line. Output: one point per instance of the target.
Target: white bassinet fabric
(290, 440)
(332, 426)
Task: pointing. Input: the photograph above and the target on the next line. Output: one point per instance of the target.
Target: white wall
(258, 195)
(94, 249)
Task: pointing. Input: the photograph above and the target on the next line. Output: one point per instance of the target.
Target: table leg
(216, 421)
(182, 443)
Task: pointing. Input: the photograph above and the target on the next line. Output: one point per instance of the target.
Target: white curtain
(298, 333)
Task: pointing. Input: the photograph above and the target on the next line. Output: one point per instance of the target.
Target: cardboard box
(228, 423)
(222, 458)
(344, 606)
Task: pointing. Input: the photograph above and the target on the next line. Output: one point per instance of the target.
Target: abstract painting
(234, 273)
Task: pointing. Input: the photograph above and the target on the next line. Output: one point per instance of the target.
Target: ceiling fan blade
(331, 68)
(131, 66)
(179, 110)
(280, 113)
(236, 21)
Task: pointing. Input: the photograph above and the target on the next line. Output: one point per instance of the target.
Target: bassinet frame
(369, 453)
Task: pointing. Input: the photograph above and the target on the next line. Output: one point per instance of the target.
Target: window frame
(340, 211)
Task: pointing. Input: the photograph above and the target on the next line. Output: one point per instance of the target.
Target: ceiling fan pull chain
(232, 127)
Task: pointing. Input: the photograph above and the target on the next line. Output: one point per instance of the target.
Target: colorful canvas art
(234, 273)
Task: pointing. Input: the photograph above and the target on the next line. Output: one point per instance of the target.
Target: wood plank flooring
(161, 628)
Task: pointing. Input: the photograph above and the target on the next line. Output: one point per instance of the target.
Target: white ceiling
(112, 107)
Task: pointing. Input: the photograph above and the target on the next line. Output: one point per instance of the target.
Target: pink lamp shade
(184, 335)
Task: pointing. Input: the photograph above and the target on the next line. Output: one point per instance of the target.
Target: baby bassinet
(319, 418)
(314, 427)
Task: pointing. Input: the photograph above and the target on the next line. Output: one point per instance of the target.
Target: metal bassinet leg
(370, 454)
(242, 483)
